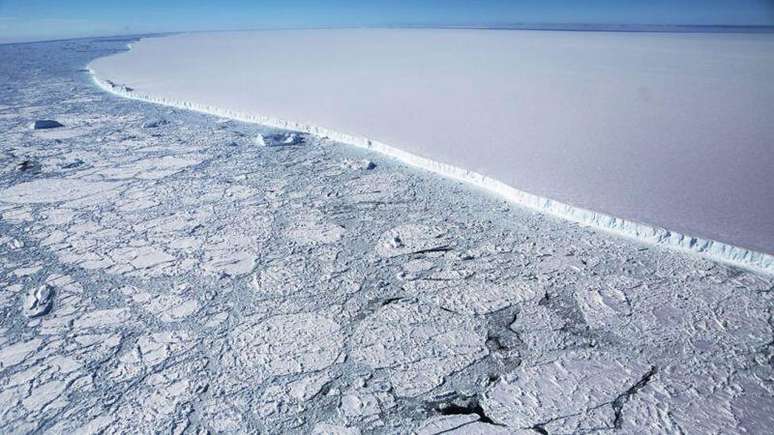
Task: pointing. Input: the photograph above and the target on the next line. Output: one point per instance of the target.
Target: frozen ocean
(169, 271)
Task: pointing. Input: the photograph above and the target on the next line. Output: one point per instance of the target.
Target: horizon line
(567, 27)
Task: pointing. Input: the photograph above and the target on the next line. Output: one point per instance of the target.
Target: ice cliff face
(641, 232)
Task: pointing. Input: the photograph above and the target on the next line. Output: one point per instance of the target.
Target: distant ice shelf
(631, 175)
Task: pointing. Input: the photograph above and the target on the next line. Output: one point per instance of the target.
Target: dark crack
(623, 398)
(467, 407)
(539, 429)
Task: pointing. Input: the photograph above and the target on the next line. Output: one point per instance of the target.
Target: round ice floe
(417, 344)
(282, 278)
(572, 392)
(54, 190)
(291, 343)
(312, 232)
(472, 297)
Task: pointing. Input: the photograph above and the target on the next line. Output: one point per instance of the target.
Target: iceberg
(660, 137)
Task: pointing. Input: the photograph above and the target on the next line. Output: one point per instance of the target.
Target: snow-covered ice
(668, 130)
(183, 279)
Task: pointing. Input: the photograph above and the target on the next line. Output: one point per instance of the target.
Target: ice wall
(669, 130)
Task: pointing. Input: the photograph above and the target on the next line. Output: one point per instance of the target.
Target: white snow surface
(667, 138)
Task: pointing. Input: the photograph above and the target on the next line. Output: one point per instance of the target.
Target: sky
(22, 20)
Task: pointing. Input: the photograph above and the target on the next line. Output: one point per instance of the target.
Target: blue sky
(45, 19)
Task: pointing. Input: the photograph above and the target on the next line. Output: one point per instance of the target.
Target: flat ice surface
(674, 130)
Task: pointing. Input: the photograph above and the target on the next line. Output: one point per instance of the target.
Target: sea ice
(198, 286)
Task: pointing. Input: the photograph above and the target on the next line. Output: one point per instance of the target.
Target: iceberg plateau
(660, 137)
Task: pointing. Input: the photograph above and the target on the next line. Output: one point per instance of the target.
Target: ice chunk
(39, 301)
(280, 139)
(42, 124)
(156, 123)
(28, 165)
(412, 239)
(363, 165)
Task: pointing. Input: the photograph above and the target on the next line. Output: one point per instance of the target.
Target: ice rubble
(426, 126)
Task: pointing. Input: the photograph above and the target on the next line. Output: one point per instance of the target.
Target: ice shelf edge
(648, 234)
